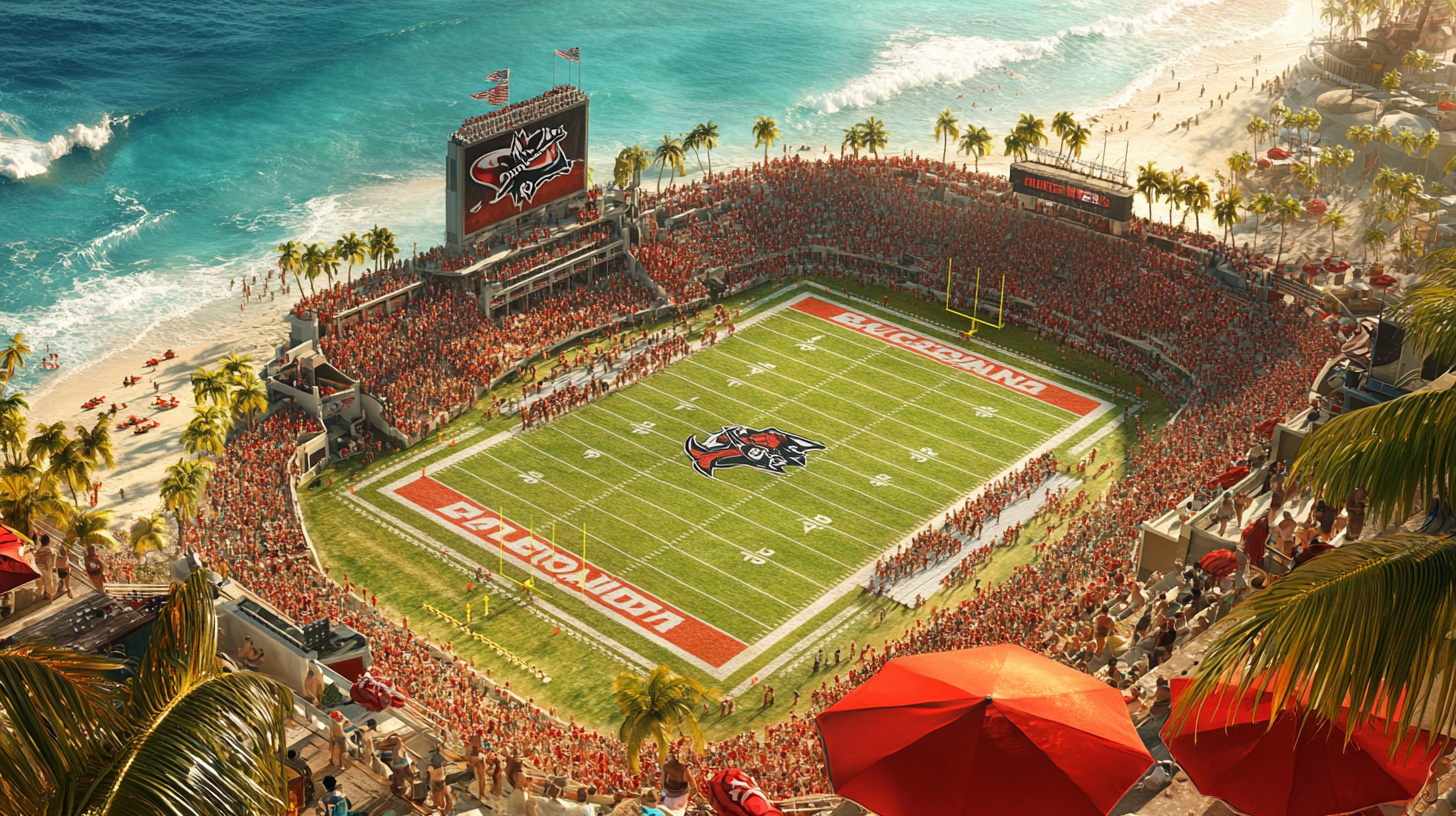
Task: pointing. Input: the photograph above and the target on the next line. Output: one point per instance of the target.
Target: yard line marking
(839, 485)
(999, 395)
(864, 428)
(630, 557)
(786, 356)
(639, 529)
(665, 511)
(784, 481)
(916, 428)
(751, 493)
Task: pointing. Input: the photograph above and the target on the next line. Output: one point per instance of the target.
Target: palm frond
(1428, 309)
(1400, 451)
(213, 751)
(182, 651)
(55, 721)
(1367, 626)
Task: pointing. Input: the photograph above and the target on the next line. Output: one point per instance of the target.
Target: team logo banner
(770, 450)
(517, 172)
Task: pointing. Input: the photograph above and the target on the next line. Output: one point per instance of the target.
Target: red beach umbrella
(1278, 153)
(974, 731)
(1316, 206)
(1231, 752)
(1383, 281)
(14, 571)
(1219, 563)
(1445, 106)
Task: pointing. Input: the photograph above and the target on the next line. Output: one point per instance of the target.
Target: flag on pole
(503, 75)
(500, 94)
(572, 54)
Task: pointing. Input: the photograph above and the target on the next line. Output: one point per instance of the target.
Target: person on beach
(95, 568)
(44, 559)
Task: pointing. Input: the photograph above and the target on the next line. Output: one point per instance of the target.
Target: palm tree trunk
(943, 147)
(710, 162)
(659, 178)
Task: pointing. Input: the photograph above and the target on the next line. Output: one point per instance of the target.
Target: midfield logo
(769, 450)
(521, 170)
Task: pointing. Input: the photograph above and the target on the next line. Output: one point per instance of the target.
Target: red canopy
(1336, 264)
(1231, 751)
(1279, 153)
(994, 730)
(1266, 428)
(14, 571)
(1383, 280)
(1311, 267)
(1445, 106)
(735, 793)
(1316, 206)
(1230, 477)
(1255, 539)
(1219, 563)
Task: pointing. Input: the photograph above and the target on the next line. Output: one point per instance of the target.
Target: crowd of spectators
(1232, 364)
(504, 118)
(369, 285)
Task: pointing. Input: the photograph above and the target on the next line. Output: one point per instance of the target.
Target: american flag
(499, 95)
(573, 54)
(503, 75)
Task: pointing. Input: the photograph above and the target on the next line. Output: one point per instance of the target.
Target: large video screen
(1114, 206)
(524, 168)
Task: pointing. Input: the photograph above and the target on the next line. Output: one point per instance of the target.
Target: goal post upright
(974, 316)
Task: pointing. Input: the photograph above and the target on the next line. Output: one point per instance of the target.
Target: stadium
(771, 435)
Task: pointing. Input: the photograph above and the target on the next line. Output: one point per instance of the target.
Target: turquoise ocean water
(152, 151)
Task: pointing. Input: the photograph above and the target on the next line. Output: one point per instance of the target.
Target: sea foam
(22, 158)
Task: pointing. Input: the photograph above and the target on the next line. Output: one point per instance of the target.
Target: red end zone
(638, 609)
(1046, 392)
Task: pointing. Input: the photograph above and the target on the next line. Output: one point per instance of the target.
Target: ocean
(151, 152)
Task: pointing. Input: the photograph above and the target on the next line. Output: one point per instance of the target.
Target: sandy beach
(142, 459)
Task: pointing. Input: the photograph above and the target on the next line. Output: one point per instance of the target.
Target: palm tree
(13, 355)
(90, 527)
(1366, 626)
(1226, 210)
(290, 259)
(765, 132)
(1258, 128)
(75, 741)
(1172, 189)
(95, 443)
(210, 386)
(1287, 210)
(47, 442)
(1332, 10)
(1076, 140)
(1196, 198)
(690, 142)
(71, 467)
(631, 161)
(382, 248)
(876, 137)
(181, 490)
(202, 435)
(24, 500)
(329, 264)
(1149, 182)
(853, 139)
(1390, 83)
(1361, 135)
(351, 249)
(1374, 236)
(1016, 146)
(975, 142)
(1241, 163)
(1062, 125)
(1409, 248)
(311, 261)
(248, 399)
(707, 139)
(1335, 220)
(238, 368)
(148, 533)
(947, 130)
(668, 154)
(12, 424)
(1032, 130)
(655, 706)
(1260, 205)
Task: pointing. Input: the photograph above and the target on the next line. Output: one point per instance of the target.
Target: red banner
(987, 370)
(642, 611)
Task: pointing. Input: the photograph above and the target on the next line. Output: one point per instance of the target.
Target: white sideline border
(834, 594)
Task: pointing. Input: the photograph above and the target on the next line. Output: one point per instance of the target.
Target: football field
(712, 509)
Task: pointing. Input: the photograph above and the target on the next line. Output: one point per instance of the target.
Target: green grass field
(769, 561)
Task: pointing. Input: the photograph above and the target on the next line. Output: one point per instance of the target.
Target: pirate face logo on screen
(518, 172)
(770, 450)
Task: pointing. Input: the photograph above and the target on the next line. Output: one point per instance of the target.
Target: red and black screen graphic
(1070, 193)
(524, 168)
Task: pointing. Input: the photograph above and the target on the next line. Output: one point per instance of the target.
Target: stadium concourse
(1231, 363)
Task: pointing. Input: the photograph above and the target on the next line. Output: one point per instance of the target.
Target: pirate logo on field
(518, 172)
(769, 450)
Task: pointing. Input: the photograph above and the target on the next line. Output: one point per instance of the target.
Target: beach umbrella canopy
(1219, 563)
(1316, 206)
(1231, 751)
(14, 571)
(993, 730)
(1278, 153)
(1311, 267)
(1383, 281)
(1446, 106)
